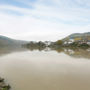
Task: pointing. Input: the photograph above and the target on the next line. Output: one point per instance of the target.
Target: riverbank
(3, 85)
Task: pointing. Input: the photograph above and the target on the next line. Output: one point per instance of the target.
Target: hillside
(5, 41)
(78, 36)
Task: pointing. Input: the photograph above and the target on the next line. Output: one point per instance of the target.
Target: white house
(47, 43)
(70, 41)
(88, 42)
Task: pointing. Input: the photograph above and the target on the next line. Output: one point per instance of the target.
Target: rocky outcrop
(3, 85)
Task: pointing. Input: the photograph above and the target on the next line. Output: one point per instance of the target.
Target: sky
(45, 20)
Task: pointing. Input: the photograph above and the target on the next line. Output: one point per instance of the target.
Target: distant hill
(5, 41)
(78, 36)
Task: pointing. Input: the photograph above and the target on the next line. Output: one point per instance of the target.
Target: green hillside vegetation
(78, 36)
(36, 46)
(74, 40)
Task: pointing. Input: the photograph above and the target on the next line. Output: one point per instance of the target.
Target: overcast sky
(43, 19)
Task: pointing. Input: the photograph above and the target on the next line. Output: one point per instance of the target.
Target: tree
(59, 42)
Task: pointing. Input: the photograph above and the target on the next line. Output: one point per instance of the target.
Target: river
(45, 69)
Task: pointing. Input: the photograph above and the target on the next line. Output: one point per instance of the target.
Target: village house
(70, 41)
(88, 42)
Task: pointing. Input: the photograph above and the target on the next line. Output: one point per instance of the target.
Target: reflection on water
(10, 49)
(76, 53)
(73, 52)
(31, 69)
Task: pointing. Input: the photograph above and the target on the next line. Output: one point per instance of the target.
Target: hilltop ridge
(78, 36)
(6, 41)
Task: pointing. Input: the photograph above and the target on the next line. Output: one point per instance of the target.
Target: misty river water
(46, 69)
